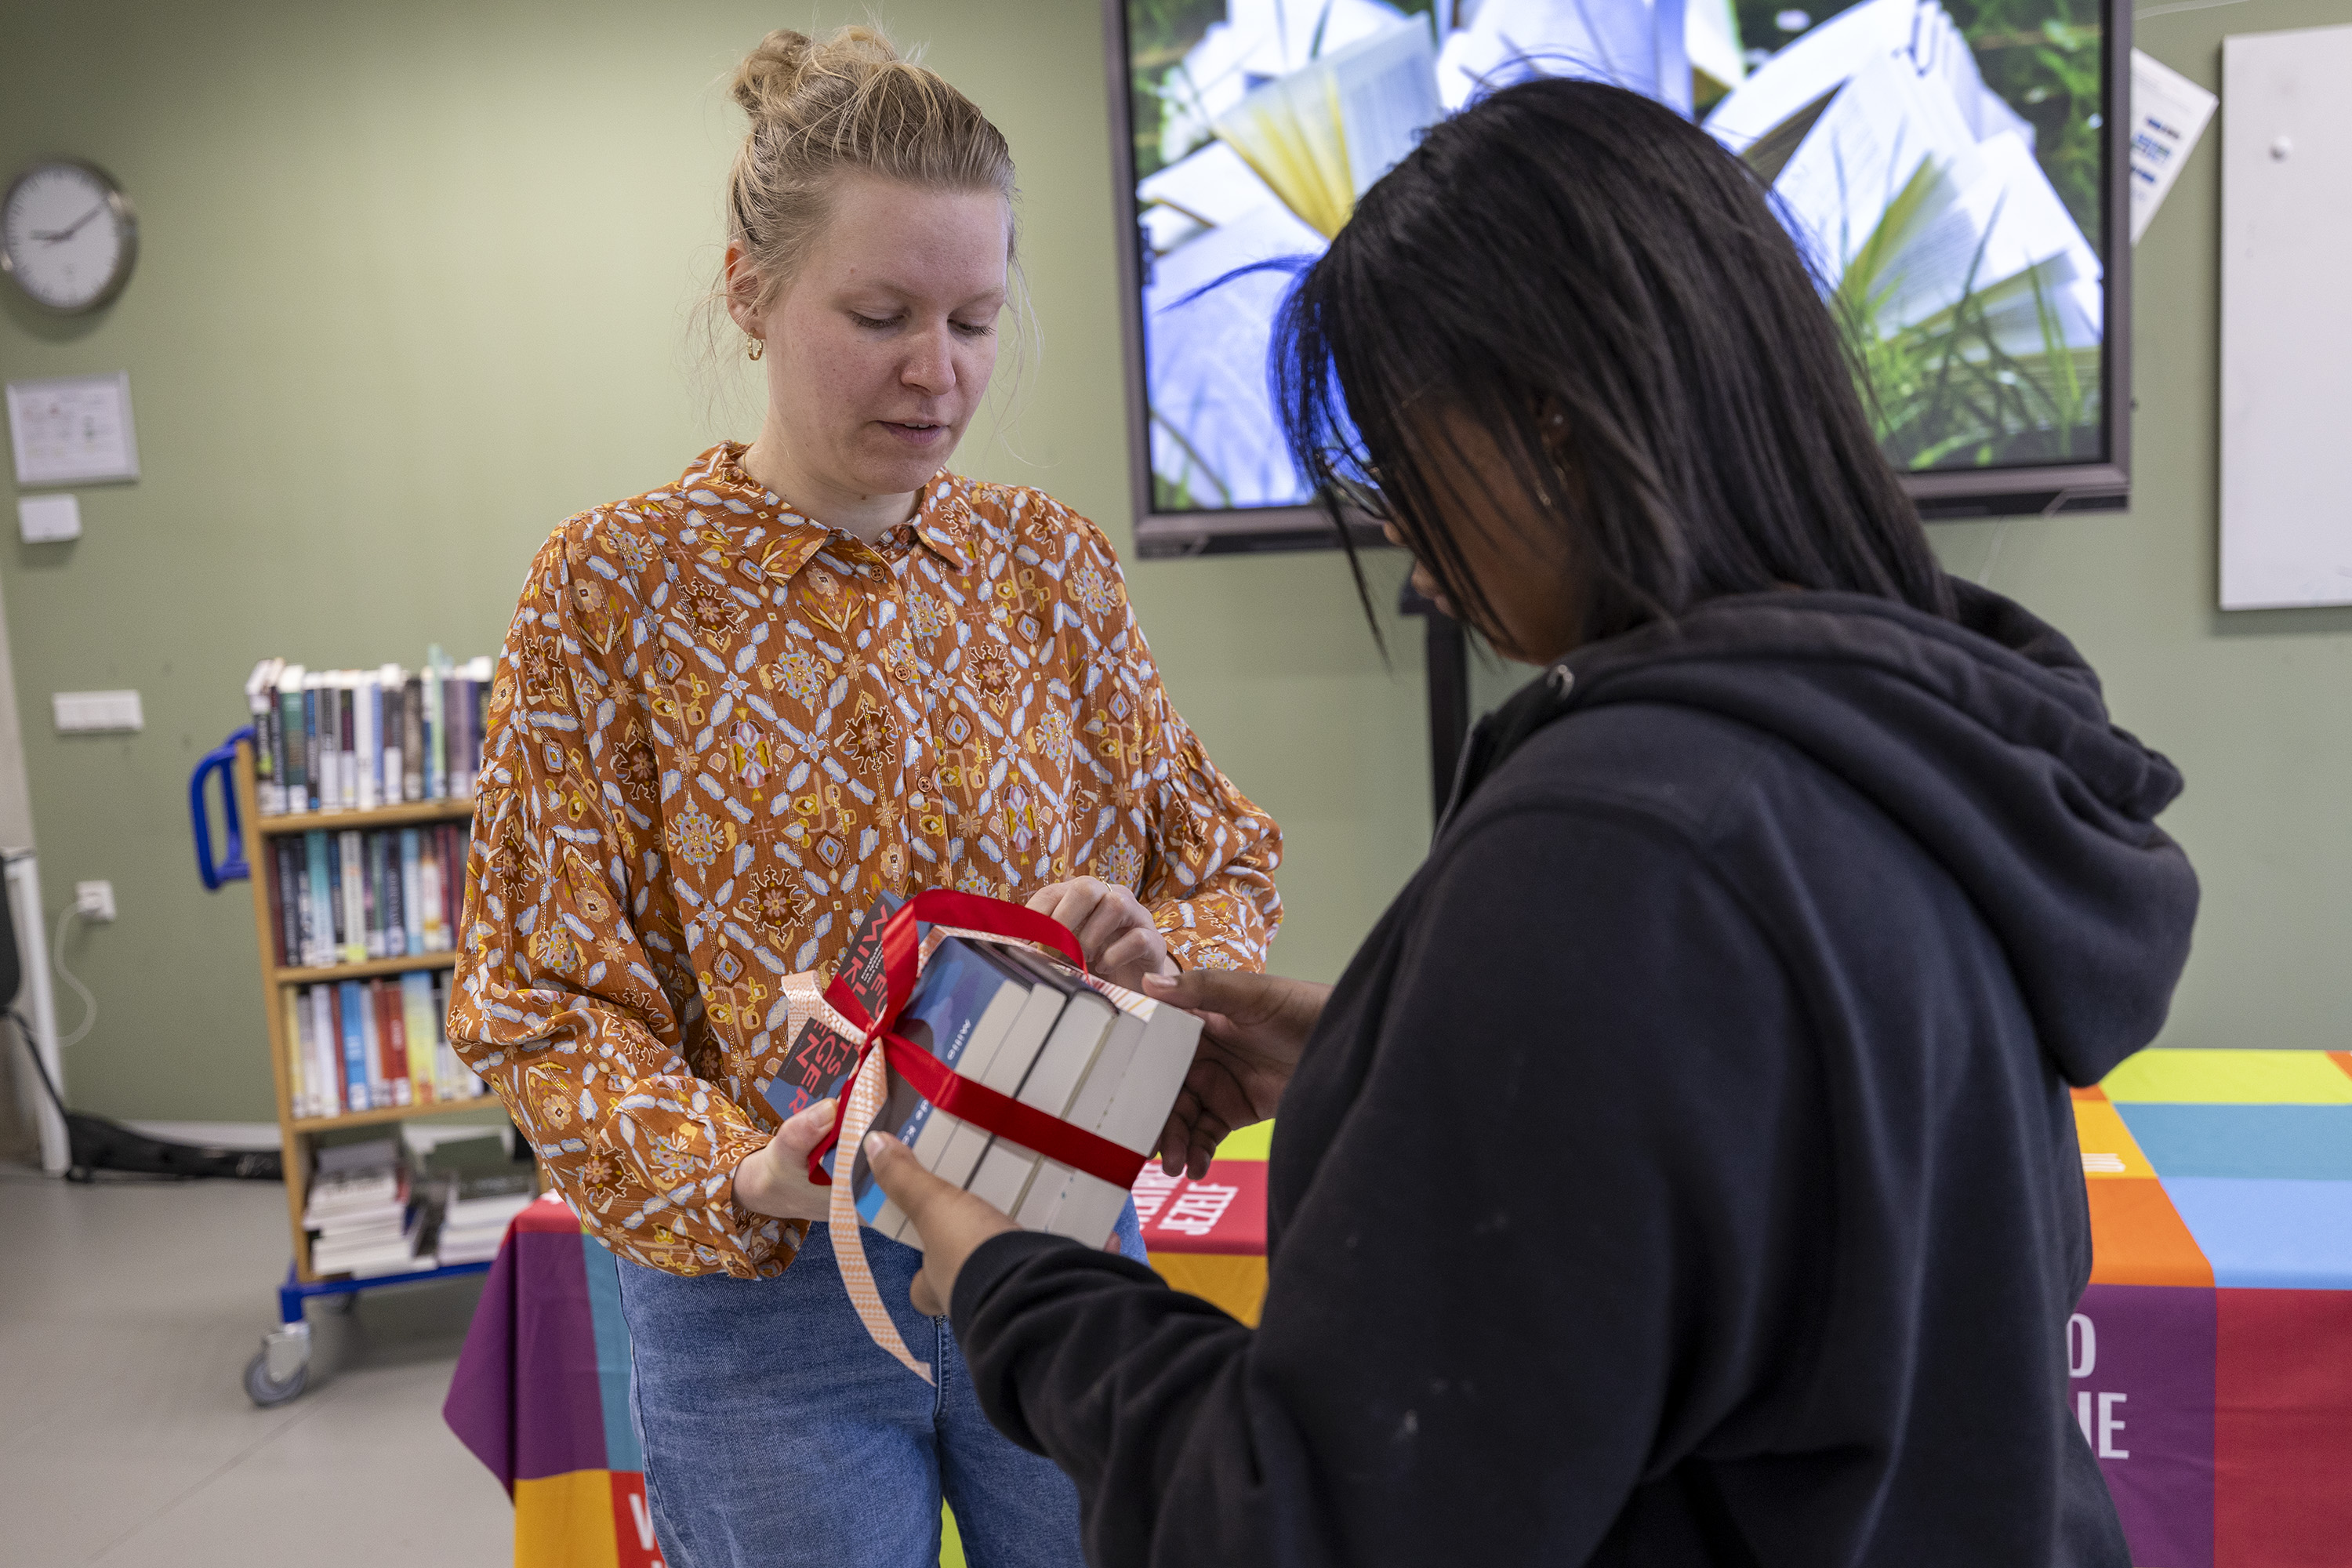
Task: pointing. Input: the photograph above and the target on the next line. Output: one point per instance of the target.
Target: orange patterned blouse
(718, 730)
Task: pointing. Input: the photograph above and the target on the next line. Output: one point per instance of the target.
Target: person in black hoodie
(1684, 1170)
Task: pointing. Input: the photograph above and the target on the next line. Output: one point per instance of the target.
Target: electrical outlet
(95, 901)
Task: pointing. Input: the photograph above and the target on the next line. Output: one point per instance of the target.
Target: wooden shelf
(308, 1124)
(294, 975)
(406, 815)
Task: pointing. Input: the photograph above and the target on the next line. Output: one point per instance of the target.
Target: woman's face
(879, 351)
(1508, 542)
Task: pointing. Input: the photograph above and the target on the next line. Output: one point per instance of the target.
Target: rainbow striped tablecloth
(2212, 1356)
(541, 1397)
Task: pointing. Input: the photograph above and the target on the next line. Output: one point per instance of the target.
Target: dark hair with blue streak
(1591, 281)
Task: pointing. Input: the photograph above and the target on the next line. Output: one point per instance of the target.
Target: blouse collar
(717, 483)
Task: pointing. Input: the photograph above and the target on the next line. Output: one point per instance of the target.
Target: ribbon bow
(950, 1091)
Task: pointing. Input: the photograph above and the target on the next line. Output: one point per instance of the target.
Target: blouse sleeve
(1205, 854)
(574, 999)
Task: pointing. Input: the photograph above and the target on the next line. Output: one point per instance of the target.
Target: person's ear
(743, 290)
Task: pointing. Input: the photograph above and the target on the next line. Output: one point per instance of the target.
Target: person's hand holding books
(1121, 944)
(1254, 1029)
(775, 1180)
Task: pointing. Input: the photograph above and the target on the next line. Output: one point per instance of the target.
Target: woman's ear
(743, 290)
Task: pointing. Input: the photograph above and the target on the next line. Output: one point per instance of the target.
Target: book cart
(280, 1369)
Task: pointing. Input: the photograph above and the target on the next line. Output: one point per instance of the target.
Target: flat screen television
(1956, 169)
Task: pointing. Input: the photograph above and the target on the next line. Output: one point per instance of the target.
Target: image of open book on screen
(1941, 164)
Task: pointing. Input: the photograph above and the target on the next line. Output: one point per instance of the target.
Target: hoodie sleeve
(1567, 1169)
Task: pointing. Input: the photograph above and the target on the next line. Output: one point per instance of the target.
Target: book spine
(294, 795)
(281, 760)
(268, 771)
(347, 742)
(436, 785)
(395, 890)
(327, 1052)
(414, 1086)
(382, 1001)
(412, 913)
(371, 898)
(354, 912)
(416, 1040)
(330, 743)
(311, 742)
(294, 885)
(453, 883)
(388, 681)
(355, 1051)
(298, 1053)
(367, 714)
(371, 1037)
(480, 722)
(317, 909)
(428, 891)
(275, 870)
(412, 738)
(339, 925)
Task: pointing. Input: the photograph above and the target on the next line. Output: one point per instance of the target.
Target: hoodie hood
(1986, 738)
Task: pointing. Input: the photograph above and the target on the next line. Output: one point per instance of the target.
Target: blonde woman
(729, 712)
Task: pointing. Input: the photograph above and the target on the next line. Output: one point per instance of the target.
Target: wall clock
(67, 236)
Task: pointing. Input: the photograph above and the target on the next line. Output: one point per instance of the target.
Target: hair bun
(778, 76)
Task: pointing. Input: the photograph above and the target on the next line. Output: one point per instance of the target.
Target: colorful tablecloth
(541, 1397)
(2211, 1358)
(2212, 1355)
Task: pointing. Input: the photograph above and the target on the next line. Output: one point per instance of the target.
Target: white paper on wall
(2169, 114)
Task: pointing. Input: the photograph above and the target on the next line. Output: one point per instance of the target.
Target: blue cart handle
(232, 867)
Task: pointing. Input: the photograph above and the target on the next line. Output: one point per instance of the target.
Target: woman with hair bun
(730, 712)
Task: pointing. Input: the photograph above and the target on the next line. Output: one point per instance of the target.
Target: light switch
(47, 519)
(97, 710)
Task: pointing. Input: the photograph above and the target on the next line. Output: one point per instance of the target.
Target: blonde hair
(847, 105)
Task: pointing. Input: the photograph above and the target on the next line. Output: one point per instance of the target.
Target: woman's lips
(913, 433)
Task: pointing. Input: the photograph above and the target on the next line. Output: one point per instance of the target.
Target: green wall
(414, 283)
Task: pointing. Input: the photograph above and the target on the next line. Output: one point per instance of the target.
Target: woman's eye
(876, 323)
(975, 328)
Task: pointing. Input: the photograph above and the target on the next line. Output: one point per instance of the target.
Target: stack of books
(368, 1044)
(1095, 1054)
(475, 1189)
(352, 739)
(345, 898)
(359, 1214)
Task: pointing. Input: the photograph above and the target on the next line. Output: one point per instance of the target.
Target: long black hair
(1591, 280)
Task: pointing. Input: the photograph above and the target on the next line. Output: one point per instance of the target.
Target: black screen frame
(2042, 490)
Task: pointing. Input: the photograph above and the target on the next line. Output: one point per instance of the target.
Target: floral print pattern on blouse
(716, 731)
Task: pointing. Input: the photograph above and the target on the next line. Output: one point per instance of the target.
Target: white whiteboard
(2286, 319)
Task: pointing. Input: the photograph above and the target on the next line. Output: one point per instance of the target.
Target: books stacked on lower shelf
(359, 1213)
(1095, 1054)
(475, 1189)
(365, 1044)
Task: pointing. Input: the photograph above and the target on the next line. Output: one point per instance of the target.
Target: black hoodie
(1683, 1172)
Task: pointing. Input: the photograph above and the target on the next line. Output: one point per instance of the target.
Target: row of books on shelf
(353, 739)
(361, 894)
(374, 1045)
(389, 1205)
(1095, 1054)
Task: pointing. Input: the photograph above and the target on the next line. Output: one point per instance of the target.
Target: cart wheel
(262, 1391)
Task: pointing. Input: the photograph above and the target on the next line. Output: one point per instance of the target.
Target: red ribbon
(948, 1090)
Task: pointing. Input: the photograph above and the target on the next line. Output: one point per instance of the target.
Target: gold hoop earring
(759, 346)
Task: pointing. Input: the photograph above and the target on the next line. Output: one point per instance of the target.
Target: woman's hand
(951, 1222)
(775, 1180)
(1254, 1027)
(1121, 944)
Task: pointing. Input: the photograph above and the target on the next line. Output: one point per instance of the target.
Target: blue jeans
(776, 1432)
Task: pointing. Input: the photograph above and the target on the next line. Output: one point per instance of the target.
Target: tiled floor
(128, 1310)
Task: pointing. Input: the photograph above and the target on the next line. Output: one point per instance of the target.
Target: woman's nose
(930, 366)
